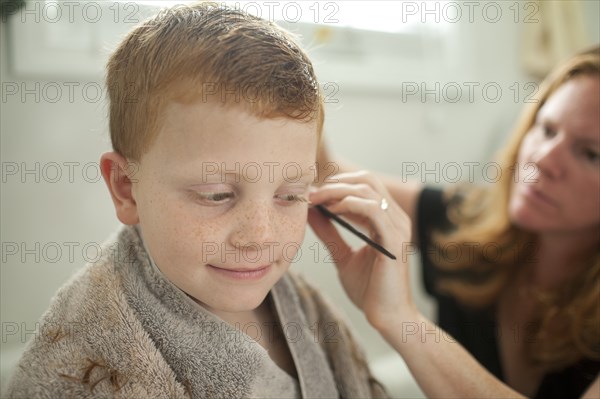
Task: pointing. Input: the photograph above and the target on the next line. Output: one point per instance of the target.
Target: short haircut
(206, 52)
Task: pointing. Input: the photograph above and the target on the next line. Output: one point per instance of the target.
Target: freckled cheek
(194, 241)
(183, 229)
(292, 228)
(165, 208)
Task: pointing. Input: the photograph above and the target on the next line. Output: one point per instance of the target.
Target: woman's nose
(254, 226)
(550, 158)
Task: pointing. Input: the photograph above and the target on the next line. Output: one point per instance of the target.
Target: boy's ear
(117, 173)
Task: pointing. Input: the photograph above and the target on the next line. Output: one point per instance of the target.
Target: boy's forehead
(201, 116)
(259, 100)
(222, 131)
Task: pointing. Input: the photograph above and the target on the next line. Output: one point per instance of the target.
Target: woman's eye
(591, 155)
(548, 132)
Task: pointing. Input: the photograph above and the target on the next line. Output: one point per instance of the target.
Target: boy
(215, 117)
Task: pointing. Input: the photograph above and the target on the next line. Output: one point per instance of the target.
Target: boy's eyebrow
(240, 166)
(252, 169)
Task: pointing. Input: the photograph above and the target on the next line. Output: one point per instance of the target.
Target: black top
(476, 330)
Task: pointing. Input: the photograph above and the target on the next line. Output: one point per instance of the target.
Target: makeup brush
(357, 233)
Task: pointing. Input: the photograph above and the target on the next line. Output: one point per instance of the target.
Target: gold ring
(383, 204)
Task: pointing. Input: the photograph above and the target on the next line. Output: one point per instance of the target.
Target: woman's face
(556, 186)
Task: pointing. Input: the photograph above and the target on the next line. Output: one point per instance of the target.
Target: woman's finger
(378, 221)
(337, 191)
(358, 177)
(327, 233)
(361, 184)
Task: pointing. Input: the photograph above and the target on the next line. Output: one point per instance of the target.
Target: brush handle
(357, 233)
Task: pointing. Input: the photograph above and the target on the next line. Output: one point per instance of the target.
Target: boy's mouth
(250, 272)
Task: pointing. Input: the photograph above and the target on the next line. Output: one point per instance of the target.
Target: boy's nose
(254, 227)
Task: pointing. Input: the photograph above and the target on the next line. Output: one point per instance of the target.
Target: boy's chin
(242, 304)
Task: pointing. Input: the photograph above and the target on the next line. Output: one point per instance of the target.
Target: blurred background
(423, 90)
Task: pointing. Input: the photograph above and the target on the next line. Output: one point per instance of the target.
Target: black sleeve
(431, 216)
(474, 329)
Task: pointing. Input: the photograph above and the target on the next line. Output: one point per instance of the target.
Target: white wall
(375, 128)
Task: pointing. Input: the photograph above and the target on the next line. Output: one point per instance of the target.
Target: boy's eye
(292, 198)
(215, 197)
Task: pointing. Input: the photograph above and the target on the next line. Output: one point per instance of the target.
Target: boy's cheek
(293, 231)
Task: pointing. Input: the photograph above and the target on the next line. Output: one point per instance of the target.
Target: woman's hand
(375, 283)
(380, 287)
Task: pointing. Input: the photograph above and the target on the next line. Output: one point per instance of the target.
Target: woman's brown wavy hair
(491, 250)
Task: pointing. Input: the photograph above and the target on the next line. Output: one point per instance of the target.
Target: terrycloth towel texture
(119, 328)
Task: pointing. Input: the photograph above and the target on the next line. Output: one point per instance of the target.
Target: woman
(528, 311)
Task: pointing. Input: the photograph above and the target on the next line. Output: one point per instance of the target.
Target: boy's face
(219, 200)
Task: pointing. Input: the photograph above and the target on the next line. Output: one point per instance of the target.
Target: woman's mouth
(538, 197)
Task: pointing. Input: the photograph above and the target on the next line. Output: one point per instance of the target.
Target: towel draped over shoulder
(119, 328)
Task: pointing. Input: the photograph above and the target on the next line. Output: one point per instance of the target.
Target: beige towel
(119, 328)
